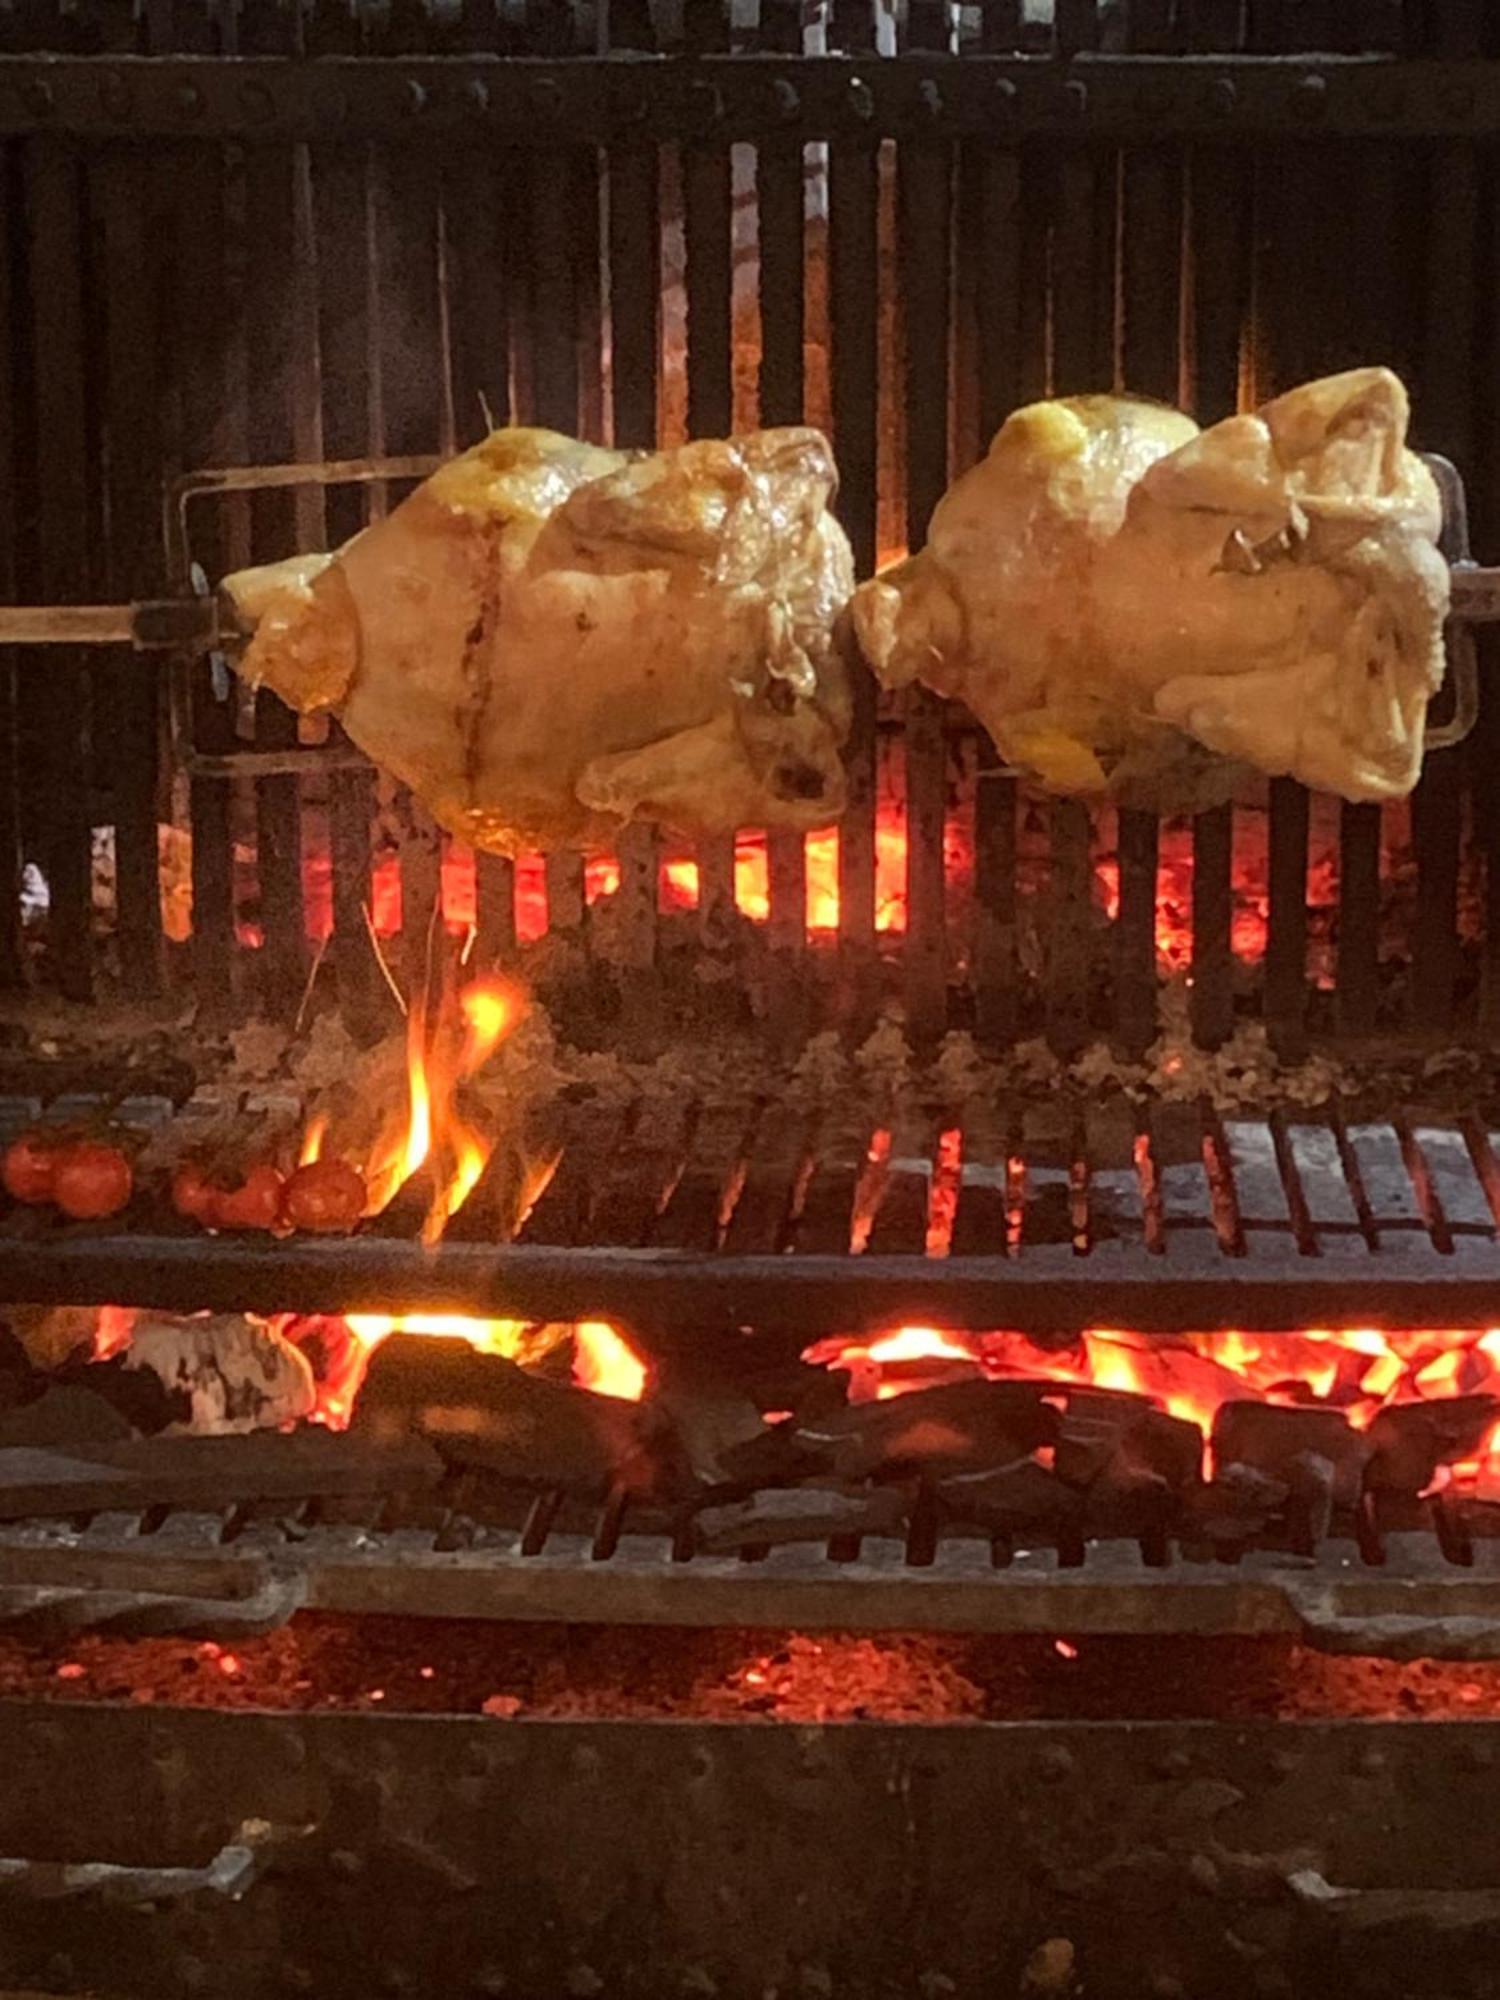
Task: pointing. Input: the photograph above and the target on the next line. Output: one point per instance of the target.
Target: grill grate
(1428, 1594)
(737, 1214)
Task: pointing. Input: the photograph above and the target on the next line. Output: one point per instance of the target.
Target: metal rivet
(477, 94)
(189, 99)
(1283, 1763)
(697, 1983)
(346, 1864)
(786, 98)
(702, 1761)
(1370, 1763)
(1173, 1764)
(414, 95)
(929, 98)
(583, 1982)
(1005, 95)
(296, 1978)
(478, 1759)
(37, 97)
(1055, 1762)
(1480, 1756)
(1073, 98)
(1224, 96)
(546, 96)
(860, 98)
(1310, 96)
(489, 1982)
(586, 1762)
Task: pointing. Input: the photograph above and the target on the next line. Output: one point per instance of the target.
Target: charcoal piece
(959, 1426)
(1312, 1482)
(1270, 1437)
(1023, 1498)
(1409, 1441)
(799, 1514)
(1238, 1505)
(1098, 1426)
(62, 1415)
(708, 1424)
(479, 1410)
(777, 1455)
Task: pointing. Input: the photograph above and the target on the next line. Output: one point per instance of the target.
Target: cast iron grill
(778, 1223)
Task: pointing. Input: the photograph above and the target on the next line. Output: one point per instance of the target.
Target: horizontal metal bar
(671, 1297)
(527, 102)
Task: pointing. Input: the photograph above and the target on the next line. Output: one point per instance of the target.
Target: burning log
(483, 1412)
(956, 1427)
(783, 1514)
(1409, 1441)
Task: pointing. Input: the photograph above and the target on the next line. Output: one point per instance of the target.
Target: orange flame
(604, 1361)
(446, 1044)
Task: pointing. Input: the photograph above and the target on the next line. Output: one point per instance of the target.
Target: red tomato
(91, 1179)
(254, 1204)
(29, 1165)
(193, 1194)
(326, 1196)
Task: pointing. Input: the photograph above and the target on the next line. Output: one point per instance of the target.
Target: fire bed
(345, 235)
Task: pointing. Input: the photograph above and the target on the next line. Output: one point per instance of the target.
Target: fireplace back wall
(298, 235)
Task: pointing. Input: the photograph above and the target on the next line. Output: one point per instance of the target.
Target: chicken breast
(548, 639)
(1135, 607)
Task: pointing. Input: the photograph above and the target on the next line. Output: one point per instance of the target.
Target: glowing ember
(1358, 1371)
(113, 1330)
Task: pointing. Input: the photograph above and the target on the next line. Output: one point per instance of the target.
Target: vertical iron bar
(64, 512)
(707, 199)
(854, 306)
(125, 188)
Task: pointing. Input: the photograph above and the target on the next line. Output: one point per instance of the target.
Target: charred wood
(480, 1410)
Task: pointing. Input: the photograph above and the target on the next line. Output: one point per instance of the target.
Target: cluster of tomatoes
(89, 1176)
(82, 1174)
(324, 1197)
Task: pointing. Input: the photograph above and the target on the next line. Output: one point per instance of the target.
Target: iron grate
(686, 1216)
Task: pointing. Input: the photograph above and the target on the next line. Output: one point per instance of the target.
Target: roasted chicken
(1135, 607)
(548, 639)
